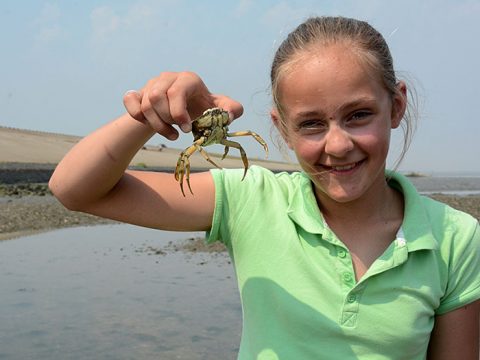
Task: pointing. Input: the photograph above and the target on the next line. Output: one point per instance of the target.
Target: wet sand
(27, 159)
(23, 215)
(29, 208)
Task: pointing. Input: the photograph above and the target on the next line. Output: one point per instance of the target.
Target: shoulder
(456, 232)
(425, 214)
(448, 219)
(258, 180)
(431, 224)
(453, 238)
(240, 205)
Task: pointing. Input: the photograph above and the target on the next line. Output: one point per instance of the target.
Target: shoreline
(27, 209)
(28, 158)
(22, 215)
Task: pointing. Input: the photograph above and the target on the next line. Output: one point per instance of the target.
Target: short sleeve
(464, 266)
(232, 192)
(241, 201)
(214, 233)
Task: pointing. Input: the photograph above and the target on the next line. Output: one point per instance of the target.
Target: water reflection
(95, 293)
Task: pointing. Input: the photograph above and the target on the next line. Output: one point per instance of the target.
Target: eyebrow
(343, 107)
(357, 102)
(313, 113)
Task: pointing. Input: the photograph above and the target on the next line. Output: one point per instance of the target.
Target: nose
(338, 142)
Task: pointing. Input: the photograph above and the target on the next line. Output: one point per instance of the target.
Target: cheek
(307, 150)
(375, 134)
(376, 142)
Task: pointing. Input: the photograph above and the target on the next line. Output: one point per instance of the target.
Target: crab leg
(206, 157)
(225, 152)
(187, 176)
(183, 164)
(255, 136)
(236, 145)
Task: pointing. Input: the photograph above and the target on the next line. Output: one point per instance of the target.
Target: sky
(65, 65)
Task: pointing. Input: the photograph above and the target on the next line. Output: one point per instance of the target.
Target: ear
(277, 121)
(399, 104)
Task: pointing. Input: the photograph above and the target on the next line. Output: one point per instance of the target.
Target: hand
(175, 98)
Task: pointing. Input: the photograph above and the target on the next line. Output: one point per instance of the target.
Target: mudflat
(27, 159)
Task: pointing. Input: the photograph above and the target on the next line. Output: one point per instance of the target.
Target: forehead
(336, 59)
(326, 74)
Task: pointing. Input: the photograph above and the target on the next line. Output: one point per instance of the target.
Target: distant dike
(30, 156)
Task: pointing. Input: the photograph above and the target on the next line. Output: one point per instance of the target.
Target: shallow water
(449, 185)
(102, 293)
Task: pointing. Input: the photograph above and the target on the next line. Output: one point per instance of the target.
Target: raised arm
(93, 178)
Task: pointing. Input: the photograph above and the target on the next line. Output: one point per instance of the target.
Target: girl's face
(338, 119)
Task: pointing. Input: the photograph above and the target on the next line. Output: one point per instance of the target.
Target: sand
(25, 209)
(35, 147)
(27, 159)
(27, 206)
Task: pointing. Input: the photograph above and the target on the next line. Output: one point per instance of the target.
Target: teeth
(343, 168)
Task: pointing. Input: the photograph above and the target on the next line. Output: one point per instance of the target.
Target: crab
(212, 128)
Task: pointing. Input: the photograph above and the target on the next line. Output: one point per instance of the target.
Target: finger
(167, 130)
(178, 109)
(162, 128)
(157, 95)
(233, 107)
(188, 94)
(155, 121)
(132, 102)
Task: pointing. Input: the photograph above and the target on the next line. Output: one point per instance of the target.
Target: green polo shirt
(298, 290)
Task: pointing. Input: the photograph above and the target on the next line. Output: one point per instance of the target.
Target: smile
(343, 168)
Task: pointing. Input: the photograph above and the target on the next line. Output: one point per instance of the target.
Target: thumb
(132, 101)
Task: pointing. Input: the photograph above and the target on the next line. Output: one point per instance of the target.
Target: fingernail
(186, 127)
(128, 92)
(172, 137)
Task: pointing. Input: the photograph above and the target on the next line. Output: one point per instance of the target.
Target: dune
(36, 147)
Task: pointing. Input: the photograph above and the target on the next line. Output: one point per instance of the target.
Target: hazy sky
(66, 64)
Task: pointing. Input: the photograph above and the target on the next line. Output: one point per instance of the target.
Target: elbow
(65, 196)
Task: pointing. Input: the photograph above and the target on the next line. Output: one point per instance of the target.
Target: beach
(115, 290)
(28, 158)
(27, 208)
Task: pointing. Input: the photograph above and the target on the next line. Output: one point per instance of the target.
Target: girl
(344, 260)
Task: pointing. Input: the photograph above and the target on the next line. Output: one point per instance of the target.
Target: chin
(340, 198)
(337, 193)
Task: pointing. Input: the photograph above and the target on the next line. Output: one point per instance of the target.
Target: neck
(380, 203)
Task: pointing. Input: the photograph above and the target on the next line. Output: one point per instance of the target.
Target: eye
(360, 115)
(311, 126)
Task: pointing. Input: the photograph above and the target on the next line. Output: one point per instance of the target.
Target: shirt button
(342, 253)
(351, 298)
(347, 277)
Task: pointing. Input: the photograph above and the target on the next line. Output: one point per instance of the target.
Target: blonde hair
(366, 42)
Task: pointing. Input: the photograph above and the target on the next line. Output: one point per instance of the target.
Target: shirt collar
(416, 226)
(303, 210)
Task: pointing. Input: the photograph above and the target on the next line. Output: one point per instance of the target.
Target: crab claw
(183, 170)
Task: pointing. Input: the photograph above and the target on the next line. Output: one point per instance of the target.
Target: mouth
(343, 169)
